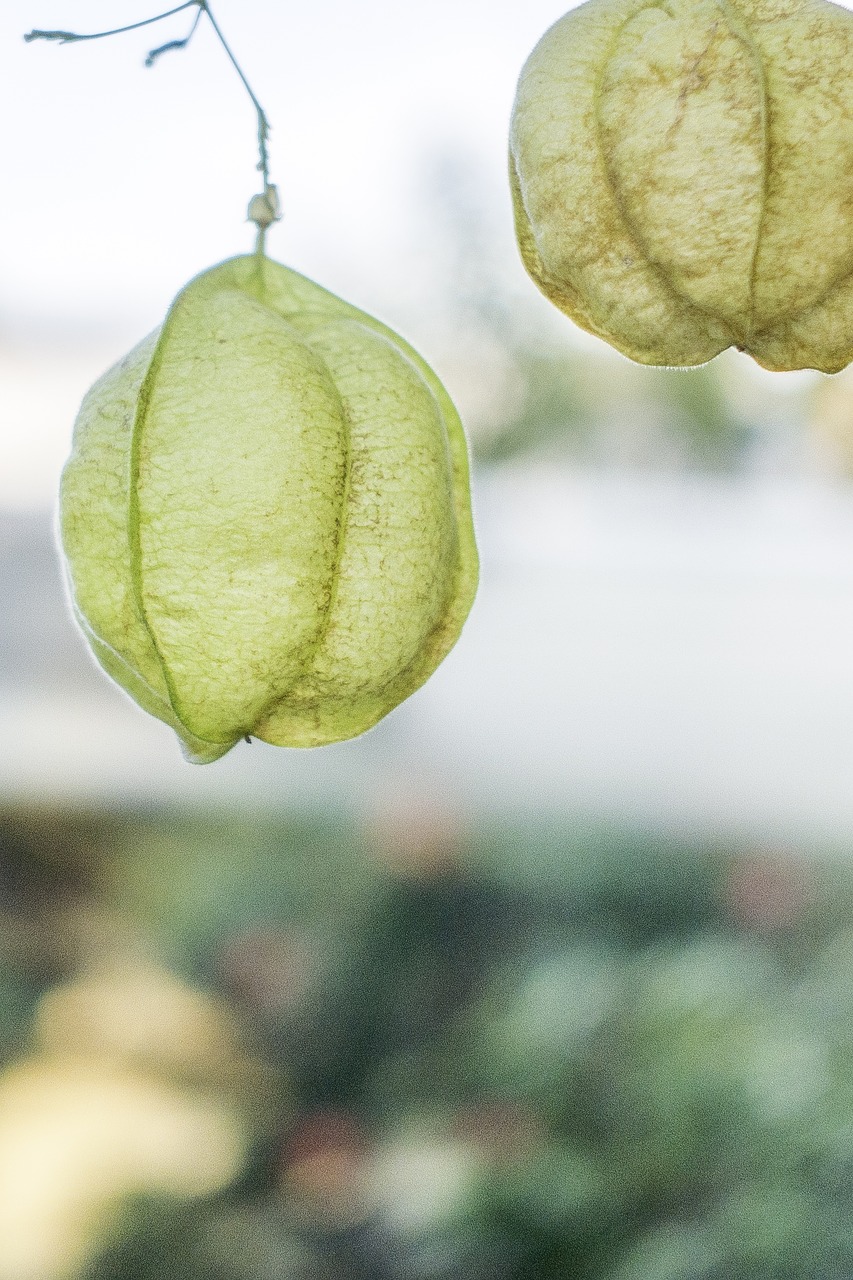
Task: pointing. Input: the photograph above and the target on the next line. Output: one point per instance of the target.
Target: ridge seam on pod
(613, 188)
(133, 521)
(134, 537)
(311, 650)
(740, 29)
(845, 273)
(566, 290)
(119, 657)
(841, 280)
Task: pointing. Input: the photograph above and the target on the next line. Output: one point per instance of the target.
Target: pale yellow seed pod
(681, 177)
(266, 515)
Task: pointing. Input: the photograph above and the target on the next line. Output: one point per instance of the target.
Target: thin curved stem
(174, 44)
(263, 123)
(71, 37)
(203, 7)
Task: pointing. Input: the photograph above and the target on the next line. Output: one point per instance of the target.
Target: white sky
(120, 183)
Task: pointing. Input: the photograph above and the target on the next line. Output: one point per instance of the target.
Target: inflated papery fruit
(266, 515)
(683, 177)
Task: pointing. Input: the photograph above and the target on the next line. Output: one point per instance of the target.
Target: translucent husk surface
(266, 515)
(681, 177)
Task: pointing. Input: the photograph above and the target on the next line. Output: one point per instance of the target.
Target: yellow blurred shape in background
(77, 1140)
(133, 1013)
(132, 1093)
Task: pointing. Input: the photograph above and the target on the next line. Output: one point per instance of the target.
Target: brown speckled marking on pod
(682, 176)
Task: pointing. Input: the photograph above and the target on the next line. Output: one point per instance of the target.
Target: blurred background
(548, 975)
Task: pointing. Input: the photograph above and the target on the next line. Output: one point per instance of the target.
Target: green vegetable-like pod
(682, 177)
(266, 515)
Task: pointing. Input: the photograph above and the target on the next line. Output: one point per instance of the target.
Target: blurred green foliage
(598, 408)
(530, 384)
(521, 1053)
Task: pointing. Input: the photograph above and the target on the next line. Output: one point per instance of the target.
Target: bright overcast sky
(120, 183)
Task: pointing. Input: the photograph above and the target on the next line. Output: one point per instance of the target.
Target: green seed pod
(266, 515)
(681, 177)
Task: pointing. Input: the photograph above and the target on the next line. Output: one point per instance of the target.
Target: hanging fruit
(266, 515)
(682, 178)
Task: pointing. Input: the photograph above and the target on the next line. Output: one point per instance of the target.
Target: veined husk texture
(266, 515)
(683, 177)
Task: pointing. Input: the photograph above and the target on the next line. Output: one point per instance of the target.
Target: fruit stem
(202, 7)
(71, 37)
(263, 123)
